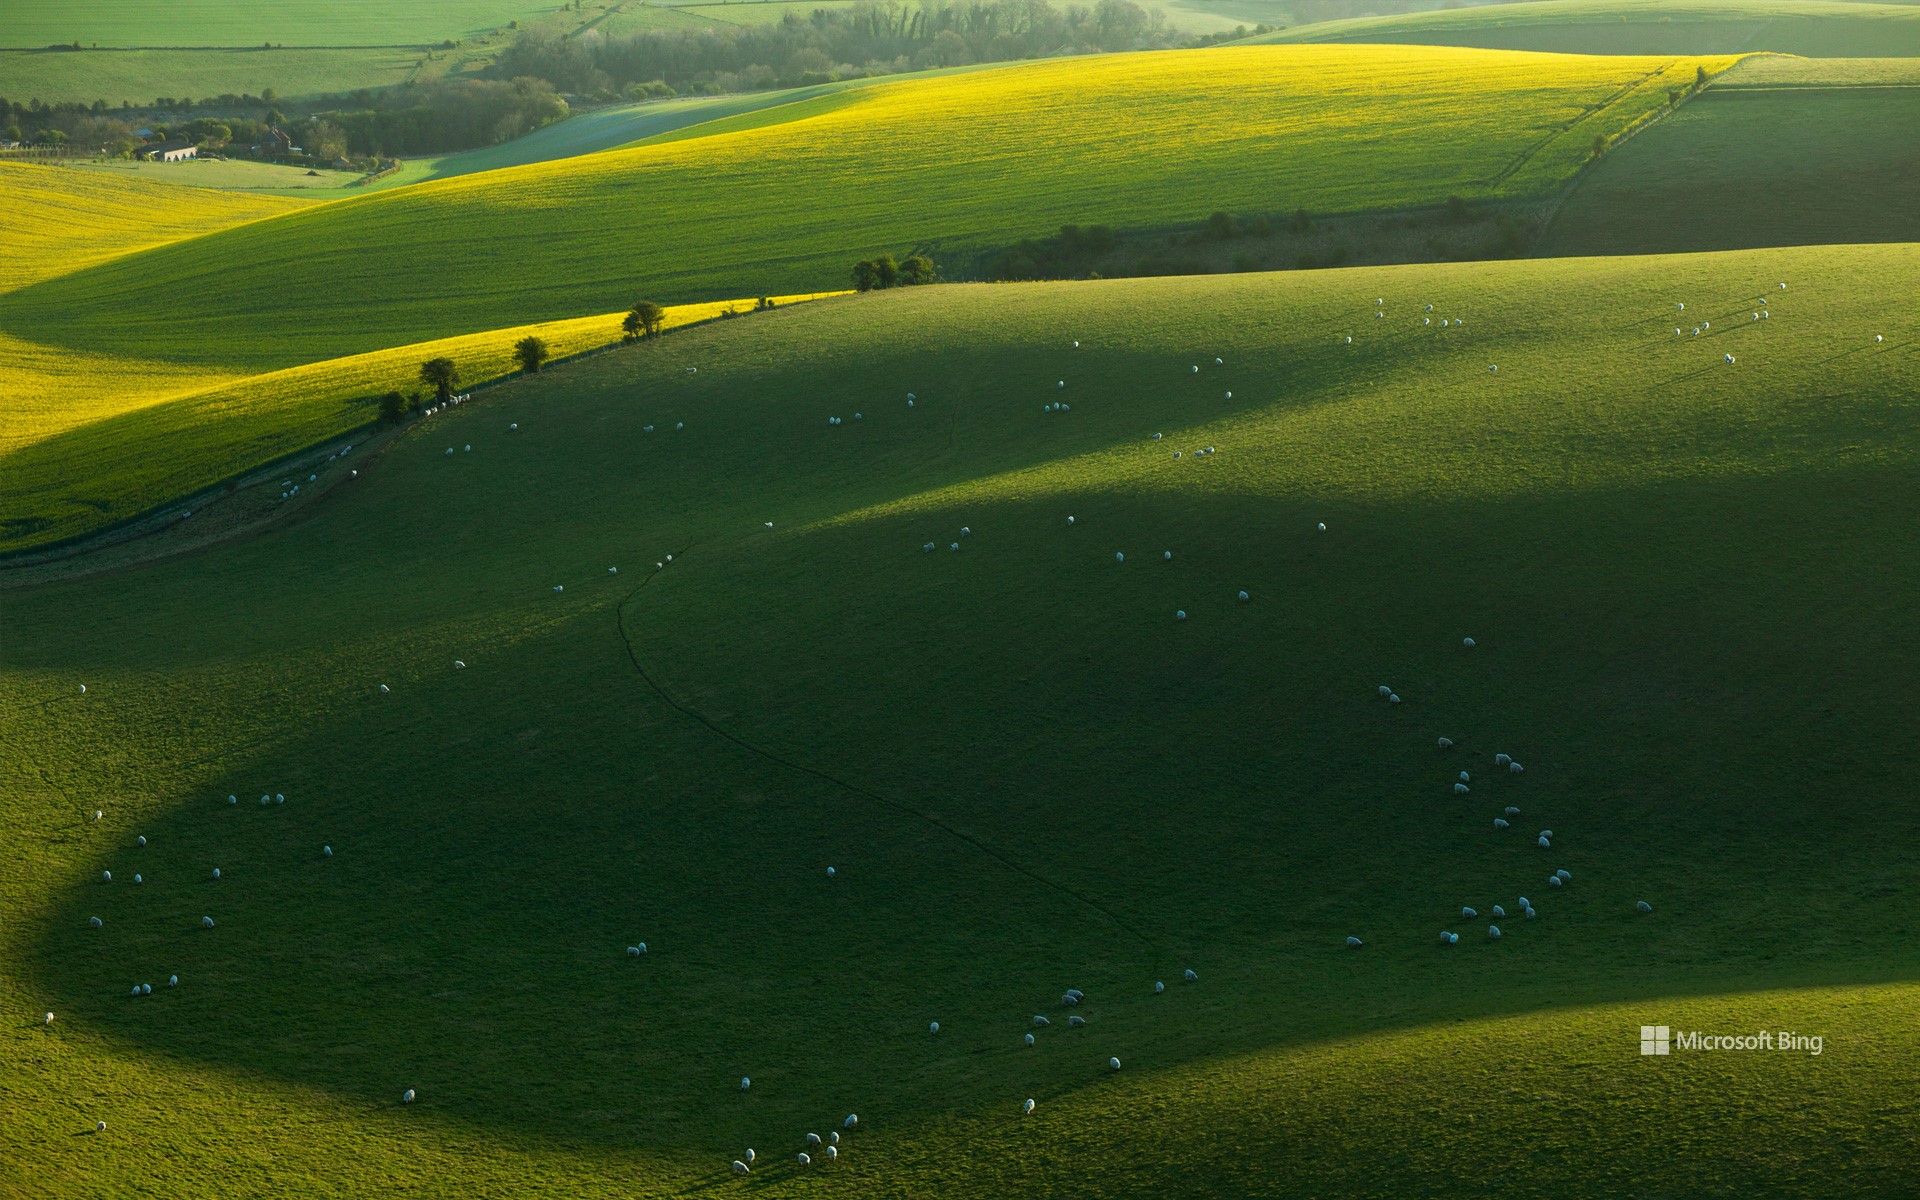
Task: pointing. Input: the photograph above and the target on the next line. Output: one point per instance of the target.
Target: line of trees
(870, 274)
(859, 40)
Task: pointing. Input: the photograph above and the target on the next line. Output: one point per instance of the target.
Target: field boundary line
(694, 714)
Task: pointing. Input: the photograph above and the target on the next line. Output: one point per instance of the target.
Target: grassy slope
(1808, 27)
(36, 23)
(237, 175)
(140, 75)
(62, 220)
(88, 472)
(1680, 574)
(1778, 152)
(881, 168)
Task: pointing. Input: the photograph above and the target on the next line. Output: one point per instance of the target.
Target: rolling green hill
(1682, 574)
(1779, 152)
(786, 199)
(1815, 28)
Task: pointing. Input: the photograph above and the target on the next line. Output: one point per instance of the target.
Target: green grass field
(785, 200)
(32, 24)
(138, 76)
(232, 175)
(1815, 28)
(1684, 577)
(1778, 152)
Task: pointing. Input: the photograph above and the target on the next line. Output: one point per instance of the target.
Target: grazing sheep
(1493, 931)
(1878, 338)
(1354, 943)
(107, 876)
(1191, 975)
(459, 665)
(1729, 358)
(49, 1019)
(406, 1097)
(1501, 760)
(1069, 999)
(1512, 811)
(1384, 690)
(1499, 823)
(928, 548)
(1041, 1021)
(1643, 906)
(745, 1083)
(1196, 370)
(137, 879)
(1027, 1108)
(216, 872)
(1452, 939)
(740, 1168)
(1076, 1021)
(1393, 699)
(803, 1159)
(1469, 912)
(749, 1155)
(140, 841)
(1553, 881)
(1530, 914)
(1461, 789)
(1069, 520)
(136, 989)
(1113, 1064)
(1180, 614)
(1029, 1039)
(1465, 778)
(1493, 366)
(515, 425)
(933, 1027)
(1467, 642)
(852, 1120)
(1525, 903)
(1499, 911)
(173, 981)
(833, 1153)
(1323, 527)
(813, 1139)
(831, 872)
(1546, 833)
(1563, 873)
(954, 546)
(1229, 396)
(231, 799)
(1516, 768)
(1243, 597)
(384, 689)
(1545, 843)
(1446, 743)
(99, 1126)
(95, 922)
(1119, 557)
(146, 989)
(206, 922)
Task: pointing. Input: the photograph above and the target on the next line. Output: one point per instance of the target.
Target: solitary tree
(916, 269)
(531, 353)
(643, 321)
(441, 375)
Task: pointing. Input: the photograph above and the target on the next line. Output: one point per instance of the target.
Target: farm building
(168, 152)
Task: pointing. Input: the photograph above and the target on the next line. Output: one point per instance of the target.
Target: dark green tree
(393, 406)
(531, 352)
(916, 269)
(441, 375)
(866, 276)
(643, 321)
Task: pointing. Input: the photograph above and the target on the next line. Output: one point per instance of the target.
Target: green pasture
(1778, 152)
(232, 175)
(1814, 28)
(958, 163)
(138, 76)
(31, 24)
(1682, 576)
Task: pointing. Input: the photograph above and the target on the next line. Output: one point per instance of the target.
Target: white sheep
(1069, 520)
(1063, 383)
(740, 1168)
(99, 1126)
(1353, 943)
(1546, 843)
(1498, 911)
(1323, 527)
(1027, 1108)
(137, 878)
(107, 876)
(852, 1120)
(49, 1019)
(1465, 778)
(406, 1097)
(95, 922)
(1516, 768)
(1501, 760)
(173, 981)
(1563, 873)
(749, 1155)
(1029, 1039)
(1499, 823)
(1512, 811)
(1180, 614)
(1729, 358)
(1446, 743)
(459, 665)
(1553, 881)
(745, 1083)
(216, 872)
(1467, 642)
(1469, 912)
(831, 872)
(1113, 1064)
(933, 1027)
(1158, 987)
(1393, 699)
(813, 1139)
(1076, 1021)
(1041, 1021)
(1461, 789)
(1191, 975)
(1243, 597)
(803, 1159)
(1384, 690)
(206, 922)
(141, 840)
(1643, 906)
(384, 689)
(833, 1153)
(1493, 931)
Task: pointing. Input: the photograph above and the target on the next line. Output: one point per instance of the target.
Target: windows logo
(1654, 1039)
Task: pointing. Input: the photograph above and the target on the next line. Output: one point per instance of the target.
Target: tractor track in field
(872, 797)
